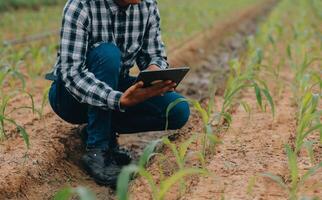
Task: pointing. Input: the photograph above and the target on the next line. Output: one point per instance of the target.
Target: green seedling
(180, 154)
(205, 115)
(69, 193)
(297, 181)
(308, 118)
(5, 97)
(44, 101)
(160, 190)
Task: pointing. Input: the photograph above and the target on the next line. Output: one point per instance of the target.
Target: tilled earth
(53, 160)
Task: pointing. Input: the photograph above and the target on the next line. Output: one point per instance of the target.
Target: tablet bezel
(175, 74)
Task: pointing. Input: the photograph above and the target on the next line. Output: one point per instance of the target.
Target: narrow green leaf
(123, 181)
(251, 184)
(201, 111)
(174, 150)
(314, 128)
(211, 94)
(246, 107)
(276, 179)
(309, 148)
(44, 100)
(20, 129)
(310, 173)
(170, 107)
(84, 193)
(168, 183)
(64, 194)
(148, 151)
(183, 148)
(24, 135)
(214, 139)
(258, 95)
(292, 164)
(227, 117)
(270, 100)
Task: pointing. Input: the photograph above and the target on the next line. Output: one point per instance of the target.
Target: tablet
(150, 77)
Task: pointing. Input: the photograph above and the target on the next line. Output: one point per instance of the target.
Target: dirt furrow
(252, 146)
(53, 159)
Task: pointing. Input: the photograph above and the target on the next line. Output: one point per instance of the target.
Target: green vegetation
(159, 190)
(284, 40)
(81, 192)
(14, 4)
(8, 76)
(296, 44)
(184, 18)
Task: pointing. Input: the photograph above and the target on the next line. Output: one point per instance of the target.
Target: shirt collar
(115, 8)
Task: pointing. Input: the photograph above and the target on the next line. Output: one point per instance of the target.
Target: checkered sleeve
(80, 82)
(153, 49)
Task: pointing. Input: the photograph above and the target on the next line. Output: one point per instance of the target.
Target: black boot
(101, 166)
(122, 156)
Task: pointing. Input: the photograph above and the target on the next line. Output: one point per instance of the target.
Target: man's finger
(138, 85)
(164, 89)
(135, 87)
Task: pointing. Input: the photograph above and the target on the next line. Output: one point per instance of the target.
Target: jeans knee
(179, 116)
(107, 56)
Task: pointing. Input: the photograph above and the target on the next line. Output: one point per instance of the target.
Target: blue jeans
(102, 125)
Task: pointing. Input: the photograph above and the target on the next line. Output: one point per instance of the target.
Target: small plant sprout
(160, 190)
(6, 97)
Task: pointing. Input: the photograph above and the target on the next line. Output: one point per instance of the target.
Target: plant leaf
(183, 148)
(64, 194)
(292, 164)
(24, 135)
(201, 111)
(168, 183)
(310, 172)
(275, 178)
(148, 151)
(170, 107)
(258, 95)
(174, 150)
(123, 181)
(270, 100)
(246, 107)
(84, 193)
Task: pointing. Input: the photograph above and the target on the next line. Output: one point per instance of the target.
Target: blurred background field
(14, 4)
(181, 19)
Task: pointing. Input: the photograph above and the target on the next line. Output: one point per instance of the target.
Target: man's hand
(153, 67)
(137, 94)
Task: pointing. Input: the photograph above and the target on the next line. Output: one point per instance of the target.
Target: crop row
(292, 38)
(284, 42)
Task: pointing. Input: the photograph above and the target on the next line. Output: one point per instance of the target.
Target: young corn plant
(309, 119)
(181, 154)
(5, 97)
(238, 81)
(296, 181)
(160, 190)
(209, 138)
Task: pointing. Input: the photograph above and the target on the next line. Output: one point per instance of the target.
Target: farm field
(255, 90)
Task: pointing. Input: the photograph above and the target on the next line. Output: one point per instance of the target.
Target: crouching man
(100, 41)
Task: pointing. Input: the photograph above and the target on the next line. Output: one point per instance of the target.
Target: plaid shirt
(88, 23)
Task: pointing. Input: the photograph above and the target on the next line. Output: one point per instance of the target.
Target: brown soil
(53, 159)
(250, 147)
